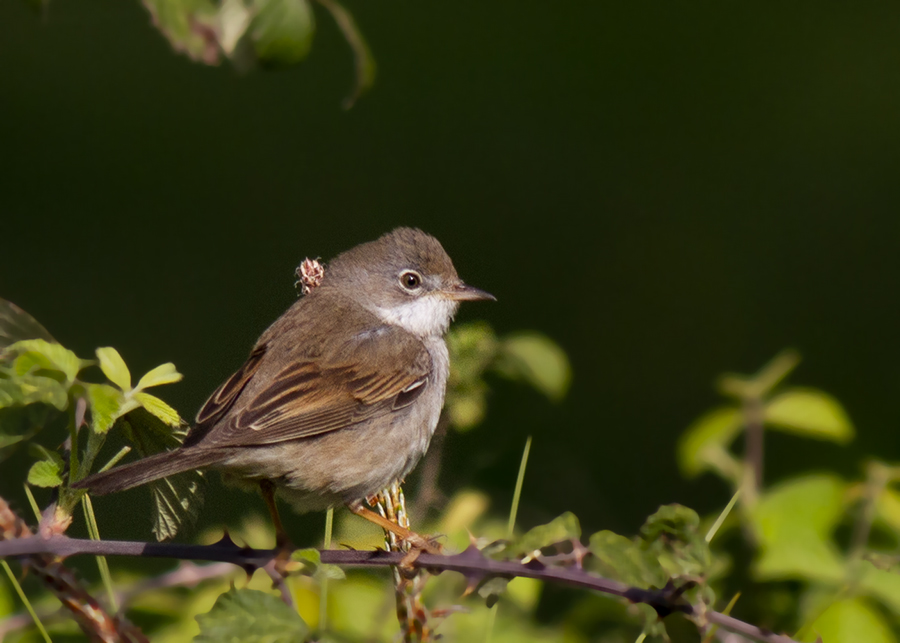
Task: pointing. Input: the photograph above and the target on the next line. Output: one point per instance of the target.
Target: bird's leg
(282, 541)
(416, 541)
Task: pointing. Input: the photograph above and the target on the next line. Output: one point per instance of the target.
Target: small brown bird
(341, 395)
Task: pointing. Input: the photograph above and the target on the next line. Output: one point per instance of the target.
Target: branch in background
(471, 563)
(98, 625)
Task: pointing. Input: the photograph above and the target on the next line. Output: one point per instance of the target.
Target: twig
(470, 563)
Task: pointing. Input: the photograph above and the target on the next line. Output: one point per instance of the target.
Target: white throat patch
(427, 316)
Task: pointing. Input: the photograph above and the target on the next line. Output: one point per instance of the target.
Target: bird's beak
(463, 292)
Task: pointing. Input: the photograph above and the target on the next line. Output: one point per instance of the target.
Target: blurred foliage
(271, 34)
(834, 539)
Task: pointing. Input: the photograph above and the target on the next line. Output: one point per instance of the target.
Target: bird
(340, 396)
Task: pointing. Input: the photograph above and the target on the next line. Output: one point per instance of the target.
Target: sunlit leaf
(107, 403)
(809, 412)
(561, 529)
(538, 360)
(250, 616)
(625, 560)
(113, 366)
(883, 584)
(704, 439)
(48, 471)
(159, 408)
(673, 535)
(850, 621)
(793, 523)
(887, 508)
(49, 356)
(21, 390)
(282, 31)
(162, 374)
(466, 409)
(16, 325)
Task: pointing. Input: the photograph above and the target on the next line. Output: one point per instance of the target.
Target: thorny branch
(471, 563)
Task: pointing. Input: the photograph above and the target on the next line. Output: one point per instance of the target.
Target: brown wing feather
(224, 397)
(314, 396)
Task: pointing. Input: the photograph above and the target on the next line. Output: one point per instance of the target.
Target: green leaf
(162, 374)
(21, 390)
(189, 26)
(250, 616)
(702, 443)
(47, 356)
(883, 584)
(311, 565)
(537, 360)
(113, 366)
(888, 508)
(177, 499)
(491, 589)
(673, 535)
(793, 523)
(466, 409)
(16, 325)
(282, 31)
(561, 529)
(809, 412)
(107, 404)
(850, 621)
(159, 408)
(48, 471)
(625, 560)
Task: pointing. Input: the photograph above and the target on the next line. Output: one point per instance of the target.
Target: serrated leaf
(49, 356)
(159, 408)
(561, 529)
(809, 412)
(177, 499)
(47, 472)
(250, 616)
(699, 446)
(162, 374)
(850, 621)
(625, 560)
(537, 360)
(113, 366)
(793, 522)
(16, 325)
(107, 403)
(282, 31)
(672, 535)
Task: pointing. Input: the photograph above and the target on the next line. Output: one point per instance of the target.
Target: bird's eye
(410, 280)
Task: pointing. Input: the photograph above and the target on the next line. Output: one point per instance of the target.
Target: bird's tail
(151, 468)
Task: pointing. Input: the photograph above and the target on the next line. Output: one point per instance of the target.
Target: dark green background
(668, 191)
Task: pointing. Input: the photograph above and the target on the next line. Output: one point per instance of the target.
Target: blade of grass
(115, 459)
(722, 516)
(27, 603)
(517, 494)
(323, 584)
(710, 636)
(34, 505)
(102, 565)
(513, 511)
